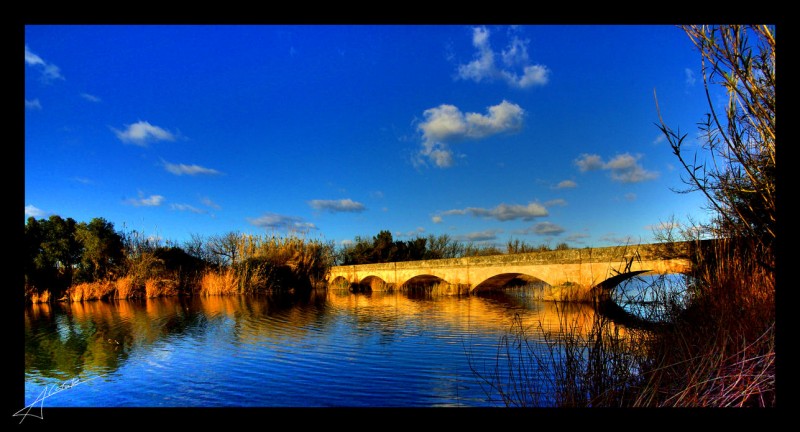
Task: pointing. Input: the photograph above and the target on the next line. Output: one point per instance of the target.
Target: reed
(280, 263)
(126, 287)
(91, 291)
(225, 282)
(721, 350)
(160, 287)
(40, 297)
(589, 362)
(717, 351)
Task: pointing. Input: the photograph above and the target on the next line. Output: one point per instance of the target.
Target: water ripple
(342, 350)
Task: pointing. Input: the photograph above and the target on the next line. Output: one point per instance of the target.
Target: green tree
(103, 251)
(52, 252)
(416, 249)
(443, 246)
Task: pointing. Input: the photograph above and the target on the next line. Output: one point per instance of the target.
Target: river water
(331, 348)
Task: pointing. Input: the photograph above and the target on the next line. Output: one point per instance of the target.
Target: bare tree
(225, 248)
(736, 170)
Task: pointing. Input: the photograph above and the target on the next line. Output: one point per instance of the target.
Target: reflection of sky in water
(337, 349)
(64, 328)
(647, 296)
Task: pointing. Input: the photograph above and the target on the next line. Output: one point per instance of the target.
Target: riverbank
(717, 351)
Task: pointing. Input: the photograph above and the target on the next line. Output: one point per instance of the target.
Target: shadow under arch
(508, 280)
(607, 307)
(424, 283)
(371, 283)
(340, 282)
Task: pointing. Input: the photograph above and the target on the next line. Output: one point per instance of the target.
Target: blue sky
(540, 133)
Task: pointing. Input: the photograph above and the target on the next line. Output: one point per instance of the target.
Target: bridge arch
(642, 299)
(422, 281)
(340, 282)
(508, 280)
(373, 283)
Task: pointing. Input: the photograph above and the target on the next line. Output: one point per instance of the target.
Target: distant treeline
(69, 260)
(383, 248)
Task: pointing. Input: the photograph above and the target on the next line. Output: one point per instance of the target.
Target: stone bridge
(565, 275)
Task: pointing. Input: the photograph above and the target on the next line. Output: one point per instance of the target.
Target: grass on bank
(718, 351)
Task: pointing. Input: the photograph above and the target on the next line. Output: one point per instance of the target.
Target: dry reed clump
(280, 263)
(37, 297)
(721, 351)
(91, 291)
(160, 287)
(223, 283)
(589, 362)
(127, 288)
(718, 351)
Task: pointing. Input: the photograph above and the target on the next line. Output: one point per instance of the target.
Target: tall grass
(213, 283)
(91, 291)
(281, 263)
(253, 263)
(160, 287)
(589, 362)
(126, 288)
(39, 297)
(719, 351)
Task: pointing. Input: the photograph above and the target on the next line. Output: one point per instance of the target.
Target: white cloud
(504, 212)
(347, 242)
(630, 196)
(516, 52)
(207, 202)
(481, 235)
(483, 66)
(587, 162)
(577, 238)
(690, 79)
(623, 168)
(90, 98)
(141, 133)
(659, 139)
(33, 104)
(446, 123)
(334, 206)
(49, 70)
(542, 228)
(412, 233)
(33, 211)
(31, 58)
(187, 207)
(566, 184)
(272, 221)
(183, 169)
(436, 219)
(151, 201)
(556, 202)
(547, 228)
